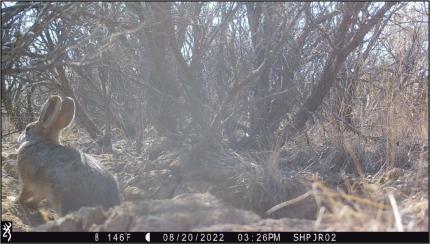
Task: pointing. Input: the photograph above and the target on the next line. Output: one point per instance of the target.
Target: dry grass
(390, 202)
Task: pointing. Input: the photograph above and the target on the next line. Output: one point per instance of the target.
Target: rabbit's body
(67, 178)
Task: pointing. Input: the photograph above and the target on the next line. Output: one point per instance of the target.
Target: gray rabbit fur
(68, 178)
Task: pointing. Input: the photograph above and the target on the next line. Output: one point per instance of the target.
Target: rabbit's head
(56, 114)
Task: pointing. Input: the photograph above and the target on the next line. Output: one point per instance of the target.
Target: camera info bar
(9, 236)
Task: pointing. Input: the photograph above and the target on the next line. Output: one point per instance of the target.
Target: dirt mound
(182, 213)
(267, 225)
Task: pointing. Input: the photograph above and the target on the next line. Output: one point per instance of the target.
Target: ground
(166, 193)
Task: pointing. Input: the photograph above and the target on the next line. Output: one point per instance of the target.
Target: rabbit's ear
(66, 114)
(50, 111)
